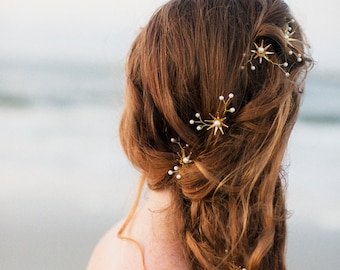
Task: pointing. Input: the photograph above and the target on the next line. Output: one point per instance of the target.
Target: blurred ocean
(64, 179)
(60, 84)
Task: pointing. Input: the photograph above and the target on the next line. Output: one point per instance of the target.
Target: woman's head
(229, 195)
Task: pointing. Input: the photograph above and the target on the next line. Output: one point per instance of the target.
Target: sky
(95, 30)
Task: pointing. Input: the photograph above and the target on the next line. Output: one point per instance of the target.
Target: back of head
(213, 86)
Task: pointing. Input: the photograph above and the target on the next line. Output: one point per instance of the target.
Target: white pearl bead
(178, 176)
(199, 128)
(170, 172)
(242, 67)
(299, 59)
(285, 64)
(232, 110)
(286, 36)
(192, 122)
(197, 115)
(186, 160)
(173, 140)
(176, 168)
(252, 68)
(231, 95)
(290, 52)
(217, 123)
(221, 97)
(287, 74)
(260, 50)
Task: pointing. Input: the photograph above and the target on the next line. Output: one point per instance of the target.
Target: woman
(213, 92)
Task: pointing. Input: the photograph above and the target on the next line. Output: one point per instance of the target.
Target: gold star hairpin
(261, 51)
(288, 34)
(183, 159)
(216, 122)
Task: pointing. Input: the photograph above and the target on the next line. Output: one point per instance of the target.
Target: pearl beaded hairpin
(184, 159)
(216, 122)
(262, 52)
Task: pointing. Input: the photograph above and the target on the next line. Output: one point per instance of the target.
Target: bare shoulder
(148, 238)
(112, 252)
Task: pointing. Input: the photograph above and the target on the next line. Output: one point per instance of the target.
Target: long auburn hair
(230, 202)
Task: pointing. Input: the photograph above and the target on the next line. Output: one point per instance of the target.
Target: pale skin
(162, 250)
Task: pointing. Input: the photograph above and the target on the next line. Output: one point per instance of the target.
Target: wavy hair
(230, 202)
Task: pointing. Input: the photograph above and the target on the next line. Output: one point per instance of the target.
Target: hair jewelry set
(217, 122)
(261, 51)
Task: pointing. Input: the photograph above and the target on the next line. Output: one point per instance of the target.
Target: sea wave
(65, 83)
(58, 83)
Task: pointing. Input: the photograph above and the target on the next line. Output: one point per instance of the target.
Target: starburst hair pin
(216, 122)
(262, 51)
(183, 158)
(288, 35)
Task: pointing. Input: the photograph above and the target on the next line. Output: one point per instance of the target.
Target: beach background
(64, 180)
